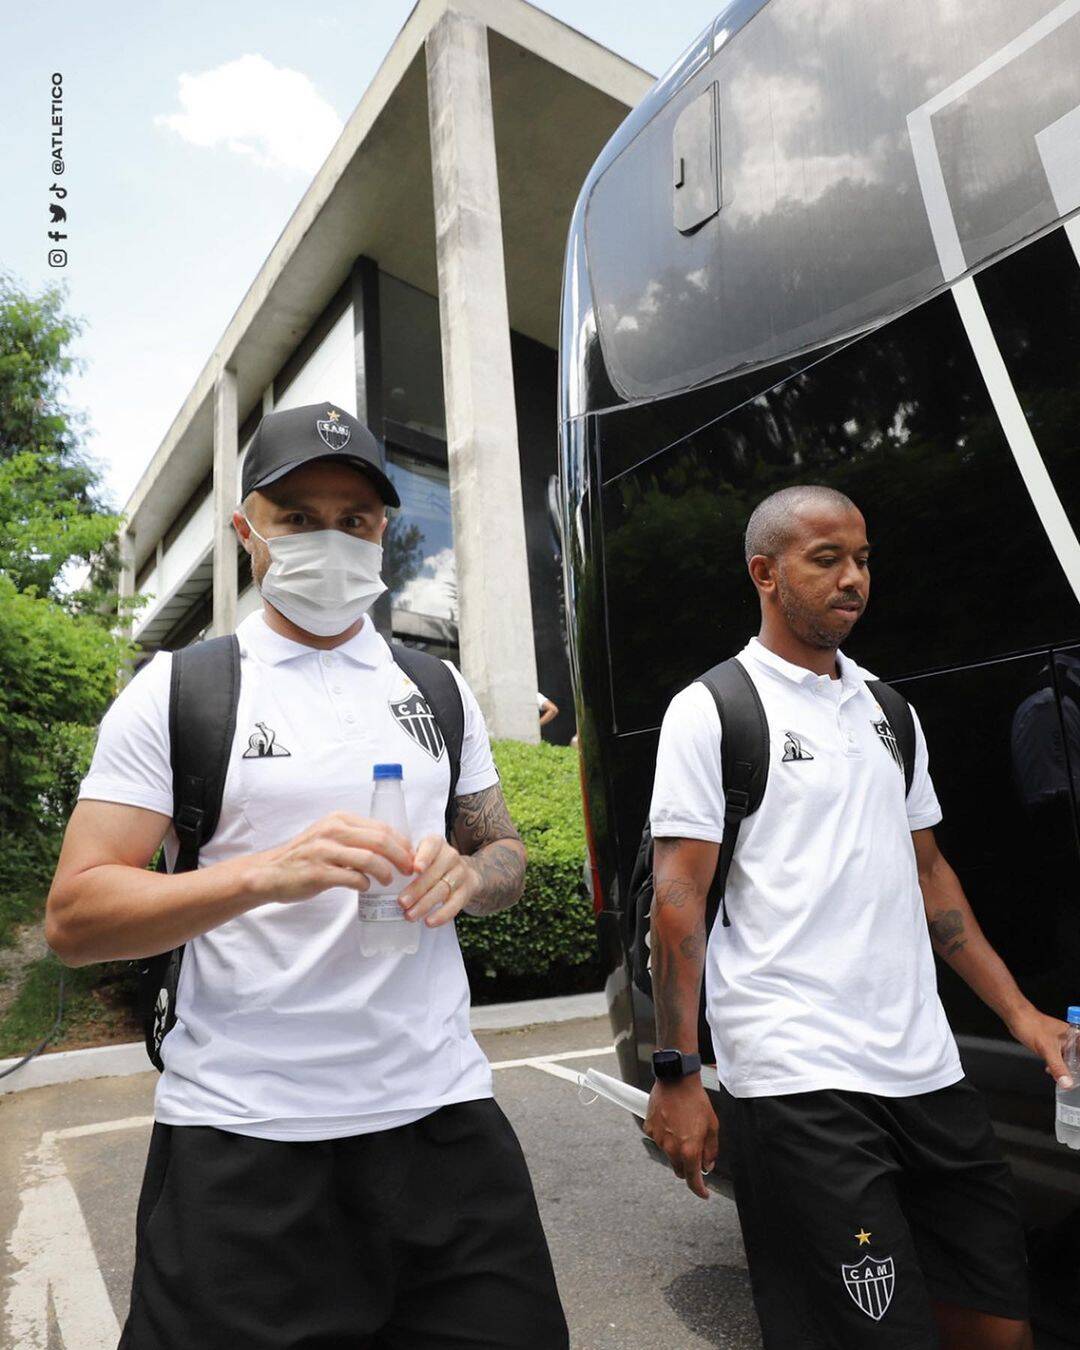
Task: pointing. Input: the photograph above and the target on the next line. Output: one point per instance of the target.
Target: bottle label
(1068, 1115)
(379, 909)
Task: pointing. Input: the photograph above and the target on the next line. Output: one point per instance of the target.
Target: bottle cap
(1073, 1017)
(394, 771)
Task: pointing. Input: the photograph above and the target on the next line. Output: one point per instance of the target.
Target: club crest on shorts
(334, 432)
(889, 741)
(871, 1283)
(416, 719)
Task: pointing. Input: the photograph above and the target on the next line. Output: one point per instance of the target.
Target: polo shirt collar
(850, 677)
(365, 648)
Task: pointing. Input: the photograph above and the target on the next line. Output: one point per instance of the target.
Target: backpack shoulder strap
(203, 695)
(898, 713)
(204, 690)
(436, 682)
(744, 754)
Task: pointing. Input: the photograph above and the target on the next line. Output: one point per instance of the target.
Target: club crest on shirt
(263, 744)
(871, 1283)
(889, 741)
(335, 433)
(415, 718)
(793, 747)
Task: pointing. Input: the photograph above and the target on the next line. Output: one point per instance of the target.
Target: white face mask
(321, 580)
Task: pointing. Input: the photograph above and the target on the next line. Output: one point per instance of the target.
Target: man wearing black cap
(328, 1166)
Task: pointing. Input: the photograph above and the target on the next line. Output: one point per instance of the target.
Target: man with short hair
(328, 1166)
(875, 1205)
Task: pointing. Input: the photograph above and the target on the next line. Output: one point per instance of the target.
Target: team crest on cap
(332, 430)
(415, 718)
(871, 1284)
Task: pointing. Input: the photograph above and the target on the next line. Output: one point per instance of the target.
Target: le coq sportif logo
(264, 744)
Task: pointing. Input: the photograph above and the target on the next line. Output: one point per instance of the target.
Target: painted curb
(113, 1061)
(532, 1012)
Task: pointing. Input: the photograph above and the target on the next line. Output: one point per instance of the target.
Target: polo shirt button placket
(329, 662)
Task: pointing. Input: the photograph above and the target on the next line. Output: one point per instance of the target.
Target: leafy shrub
(548, 937)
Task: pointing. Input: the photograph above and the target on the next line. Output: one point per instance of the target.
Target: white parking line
(51, 1250)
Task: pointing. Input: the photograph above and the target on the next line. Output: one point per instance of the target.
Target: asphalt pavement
(641, 1263)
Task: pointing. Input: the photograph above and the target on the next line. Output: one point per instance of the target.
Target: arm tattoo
(945, 929)
(674, 891)
(666, 1001)
(484, 832)
(674, 969)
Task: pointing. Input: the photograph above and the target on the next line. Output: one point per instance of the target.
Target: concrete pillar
(226, 451)
(126, 583)
(498, 657)
(125, 588)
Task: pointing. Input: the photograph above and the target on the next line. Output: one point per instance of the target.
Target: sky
(182, 167)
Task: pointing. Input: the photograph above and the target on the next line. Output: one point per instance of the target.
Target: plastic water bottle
(383, 925)
(1067, 1124)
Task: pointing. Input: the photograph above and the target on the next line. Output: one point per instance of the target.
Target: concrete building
(417, 286)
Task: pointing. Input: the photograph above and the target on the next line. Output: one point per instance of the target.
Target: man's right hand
(682, 1122)
(342, 849)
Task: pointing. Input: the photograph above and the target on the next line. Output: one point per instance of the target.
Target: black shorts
(425, 1237)
(859, 1210)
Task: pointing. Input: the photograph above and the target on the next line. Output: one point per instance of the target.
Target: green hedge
(550, 932)
(28, 852)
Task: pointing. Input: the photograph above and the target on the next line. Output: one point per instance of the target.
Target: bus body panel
(666, 448)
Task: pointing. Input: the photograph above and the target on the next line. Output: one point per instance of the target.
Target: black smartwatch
(669, 1064)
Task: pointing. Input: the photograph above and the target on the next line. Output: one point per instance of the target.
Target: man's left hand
(1045, 1036)
(445, 883)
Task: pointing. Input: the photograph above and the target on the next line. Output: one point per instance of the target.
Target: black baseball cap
(285, 440)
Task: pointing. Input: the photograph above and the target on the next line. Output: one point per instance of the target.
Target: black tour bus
(838, 242)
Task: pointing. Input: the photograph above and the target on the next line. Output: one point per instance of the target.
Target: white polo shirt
(825, 978)
(284, 1030)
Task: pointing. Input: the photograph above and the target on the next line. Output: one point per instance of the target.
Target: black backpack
(203, 697)
(744, 754)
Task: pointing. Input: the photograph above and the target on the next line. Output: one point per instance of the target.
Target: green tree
(59, 655)
(53, 511)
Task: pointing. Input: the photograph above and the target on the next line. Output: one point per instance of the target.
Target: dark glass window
(1032, 300)
(411, 357)
(994, 734)
(419, 564)
(901, 422)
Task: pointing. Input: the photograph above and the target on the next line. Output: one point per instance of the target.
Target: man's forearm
(115, 912)
(485, 836)
(960, 941)
(677, 948)
(500, 873)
